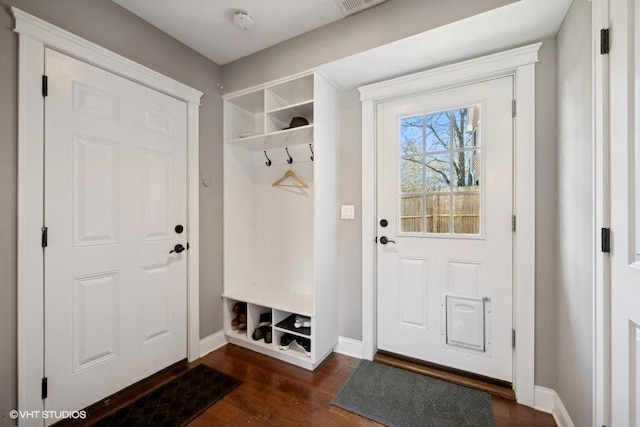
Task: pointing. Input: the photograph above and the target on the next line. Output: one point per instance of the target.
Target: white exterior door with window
(444, 211)
(115, 189)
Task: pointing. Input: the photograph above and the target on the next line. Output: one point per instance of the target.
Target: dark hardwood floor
(275, 393)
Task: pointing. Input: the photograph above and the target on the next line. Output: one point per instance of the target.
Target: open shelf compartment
(280, 119)
(229, 315)
(288, 323)
(255, 313)
(294, 349)
(289, 93)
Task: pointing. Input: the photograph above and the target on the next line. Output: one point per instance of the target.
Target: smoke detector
(349, 7)
(242, 19)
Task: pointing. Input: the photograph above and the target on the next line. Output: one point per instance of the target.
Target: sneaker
(302, 322)
(286, 340)
(305, 343)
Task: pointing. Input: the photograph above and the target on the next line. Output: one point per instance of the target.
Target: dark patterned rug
(396, 397)
(176, 402)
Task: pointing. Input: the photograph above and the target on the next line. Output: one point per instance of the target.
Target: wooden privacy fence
(432, 213)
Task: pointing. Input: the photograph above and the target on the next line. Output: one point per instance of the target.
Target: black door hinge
(45, 237)
(45, 86)
(513, 108)
(604, 41)
(513, 339)
(606, 240)
(45, 387)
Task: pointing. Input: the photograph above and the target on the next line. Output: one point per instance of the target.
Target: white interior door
(625, 214)
(115, 188)
(444, 208)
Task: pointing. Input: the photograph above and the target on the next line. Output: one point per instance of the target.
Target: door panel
(444, 185)
(96, 190)
(115, 186)
(96, 319)
(414, 291)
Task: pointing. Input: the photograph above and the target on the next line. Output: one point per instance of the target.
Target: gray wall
(107, 24)
(546, 215)
(574, 281)
(350, 276)
(388, 22)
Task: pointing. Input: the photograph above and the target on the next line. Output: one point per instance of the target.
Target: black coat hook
(268, 162)
(311, 148)
(290, 159)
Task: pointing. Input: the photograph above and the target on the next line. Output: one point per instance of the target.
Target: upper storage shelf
(289, 93)
(258, 120)
(279, 139)
(252, 102)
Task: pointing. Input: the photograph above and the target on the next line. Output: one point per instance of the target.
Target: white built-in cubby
(281, 242)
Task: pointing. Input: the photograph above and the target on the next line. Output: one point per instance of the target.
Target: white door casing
(519, 63)
(601, 195)
(115, 181)
(34, 36)
(445, 283)
(625, 212)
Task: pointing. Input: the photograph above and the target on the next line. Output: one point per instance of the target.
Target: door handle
(178, 249)
(384, 240)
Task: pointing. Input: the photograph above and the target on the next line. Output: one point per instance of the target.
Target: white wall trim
(519, 63)
(547, 400)
(212, 343)
(349, 347)
(469, 71)
(602, 219)
(35, 35)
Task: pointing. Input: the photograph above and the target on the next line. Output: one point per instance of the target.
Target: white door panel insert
(96, 189)
(96, 306)
(413, 292)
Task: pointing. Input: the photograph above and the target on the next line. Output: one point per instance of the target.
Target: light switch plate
(348, 212)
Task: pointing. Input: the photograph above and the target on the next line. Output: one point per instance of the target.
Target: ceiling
(517, 24)
(206, 25)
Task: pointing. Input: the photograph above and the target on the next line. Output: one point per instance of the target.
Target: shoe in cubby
(286, 340)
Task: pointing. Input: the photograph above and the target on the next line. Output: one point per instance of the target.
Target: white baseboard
(547, 400)
(212, 342)
(349, 347)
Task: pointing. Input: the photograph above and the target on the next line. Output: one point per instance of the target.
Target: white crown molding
(66, 42)
(548, 400)
(349, 347)
(212, 343)
(466, 71)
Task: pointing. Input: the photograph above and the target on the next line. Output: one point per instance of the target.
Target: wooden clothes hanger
(289, 174)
